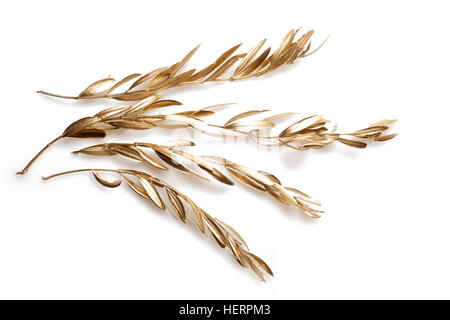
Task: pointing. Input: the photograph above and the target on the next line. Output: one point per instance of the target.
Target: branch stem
(56, 95)
(85, 170)
(37, 156)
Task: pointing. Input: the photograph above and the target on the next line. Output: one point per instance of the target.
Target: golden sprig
(307, 133)
(147, 186)
(122, 117)
(169, 153)
(311, 133)
(250, 64)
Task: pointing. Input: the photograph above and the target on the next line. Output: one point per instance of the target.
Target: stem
(317, 49)
(84, 170)
(55, 95)
(37, 156)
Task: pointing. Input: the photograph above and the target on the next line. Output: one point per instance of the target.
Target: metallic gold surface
(172, 156)
(147, 186)
(308, 133)
(247, 65)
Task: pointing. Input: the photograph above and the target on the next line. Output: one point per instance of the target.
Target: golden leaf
(125, 150)
(176, 203)
(79, 125)
(146, 77)
(89, 133)
(123, 81)
(151, 191)
(204, 72)
(384, 122)
(158, 104)
(249, 56)
(216, 231)
(224, 67)
(300, 125)
(139, 190)
(215, 173)
(250, 125)
(243, 179)
(254, 268)
(254, 65)
(96, 150)
(132, 96)
(110, 112)
(234, 232)
(184, 60)
(151, 160)
(385, 137)
(132, 124)
(353, 143)
(105, 182)
(260, 262)
(97, 88)
(244, 115)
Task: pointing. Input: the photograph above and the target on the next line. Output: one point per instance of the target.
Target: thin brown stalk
(241, 66)
(185, 209)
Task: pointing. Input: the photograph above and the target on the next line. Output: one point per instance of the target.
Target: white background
(385, 233)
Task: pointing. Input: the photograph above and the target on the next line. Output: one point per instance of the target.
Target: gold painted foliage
(311, 133)
(304, 134)
(156, 190)
(123, 117)
(241, 66)
(170, 155)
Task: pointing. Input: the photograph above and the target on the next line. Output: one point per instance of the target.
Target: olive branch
(307, 133)
(170, 155)
(246, 65)
(147, 186)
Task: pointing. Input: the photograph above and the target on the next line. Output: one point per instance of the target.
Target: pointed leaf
(146, 77)
(128, 151)
(204, 72)
(260, 262)
(138, 189)
(96, 150)
(300, 125)
(385, 137)
(123, 81)
(97, 88)
(249, 56)
(224, 67)
(177, 204)
(244, 115)
(89, 133)
(243, 179)
(151, 191)
(79, 125)
(353, 143)
(105, 182)
(151, 160)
